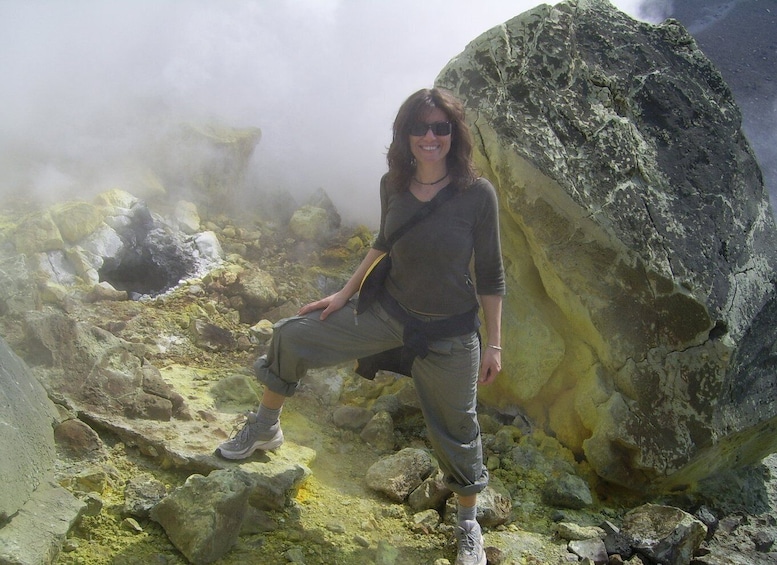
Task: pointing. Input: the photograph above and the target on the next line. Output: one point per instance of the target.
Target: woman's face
(430, 148)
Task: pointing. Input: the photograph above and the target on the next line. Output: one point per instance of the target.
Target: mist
(88, 86)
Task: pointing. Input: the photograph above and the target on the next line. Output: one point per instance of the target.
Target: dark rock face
(640, 242)
(739, 37)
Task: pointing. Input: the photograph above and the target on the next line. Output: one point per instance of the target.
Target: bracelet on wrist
(495, 347)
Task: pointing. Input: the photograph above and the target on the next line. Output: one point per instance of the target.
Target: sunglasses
(439, 129)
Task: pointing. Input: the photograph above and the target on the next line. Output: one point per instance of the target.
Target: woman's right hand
(334, 302)
(327, 305)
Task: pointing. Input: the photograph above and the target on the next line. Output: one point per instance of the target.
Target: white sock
(268, 417)
(467, 513)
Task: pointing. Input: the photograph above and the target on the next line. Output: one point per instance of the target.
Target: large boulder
(639, 242)
(27, 419)
(36, 513)
(206, 162)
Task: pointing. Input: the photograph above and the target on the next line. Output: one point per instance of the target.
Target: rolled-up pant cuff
(271, 381)
(468, 490)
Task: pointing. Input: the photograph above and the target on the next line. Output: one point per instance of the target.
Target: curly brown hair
(400, 159)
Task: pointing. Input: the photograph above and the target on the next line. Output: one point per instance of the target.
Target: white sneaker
(251, 437)
(470, 538)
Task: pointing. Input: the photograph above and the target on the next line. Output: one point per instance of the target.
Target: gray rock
(320, 199)
(494, 506)
(211, 337)
(18, 290)
(208, 247)
(425, 521)
(399, 474)
(57, 267)
(258, 521)
(84, 264)
(706, 517)
(642, 243)
(98, 372)
(379, 432)
(567, 491)
(257, 288)
(78, 242)
(431, 493)
(105, 245)
(592, 549)
(105, 292)
(664, 534)
(763, 541)
(186, 216)
(154, 384)
(326, 384)
(37, 531)
(141, 494)
(575, 532)
(277, 477)
(295, 555)
(94, 504)
(351, 417)
(146, 406)
(27, 450)
(731, 34)
(75, 439)
(616, 541)
(203, 516)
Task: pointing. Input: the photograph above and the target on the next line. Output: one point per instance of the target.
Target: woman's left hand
(490, 365)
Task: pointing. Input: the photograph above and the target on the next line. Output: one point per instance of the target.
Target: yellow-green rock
(76, 220)
(37, 233)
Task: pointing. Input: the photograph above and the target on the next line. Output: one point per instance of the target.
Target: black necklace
(431, 183)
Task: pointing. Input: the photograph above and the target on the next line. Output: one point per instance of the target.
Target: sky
(87, 84)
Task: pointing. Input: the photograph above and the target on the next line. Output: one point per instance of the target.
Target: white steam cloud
(87, 84)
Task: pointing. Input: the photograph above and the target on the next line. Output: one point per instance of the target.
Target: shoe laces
(469, 540)
(241, 428)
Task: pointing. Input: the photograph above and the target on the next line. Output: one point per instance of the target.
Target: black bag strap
(423, 212)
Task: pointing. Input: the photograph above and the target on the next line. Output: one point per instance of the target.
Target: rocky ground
(335, 517)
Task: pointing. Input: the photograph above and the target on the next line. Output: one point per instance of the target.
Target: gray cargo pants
(445, 380)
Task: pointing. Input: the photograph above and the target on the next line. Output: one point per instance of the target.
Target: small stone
(295, 555)
(94, 504)
(763, 541)
(131, 525)
(361, 540)
(336, 528)
(69, 545)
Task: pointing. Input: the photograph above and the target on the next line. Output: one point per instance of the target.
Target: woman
(429, 281)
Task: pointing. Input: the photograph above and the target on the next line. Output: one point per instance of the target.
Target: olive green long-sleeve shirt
(432, 262)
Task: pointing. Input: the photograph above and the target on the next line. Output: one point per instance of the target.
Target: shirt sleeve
(380, 241)
(489, 269)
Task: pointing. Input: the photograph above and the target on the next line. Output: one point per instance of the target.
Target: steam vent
(154, 257)
(639, 241)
